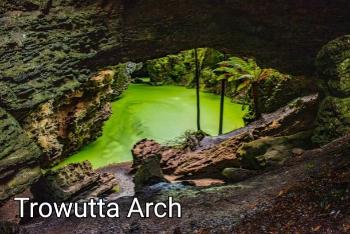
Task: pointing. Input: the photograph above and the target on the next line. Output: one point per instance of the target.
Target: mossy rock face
(333, 66)
(277, 89)
(179, 68)
(172, 69)
(44, 58)
(270, 151)
(74, 182)
(333, 120)
(122, 77)
(19, 158)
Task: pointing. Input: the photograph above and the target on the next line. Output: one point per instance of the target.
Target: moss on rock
(277, 89)
(271, 151)
(333, 66)
(333, 120)
(19, 158)
(74, 182)
(179, 68)
(237, 174)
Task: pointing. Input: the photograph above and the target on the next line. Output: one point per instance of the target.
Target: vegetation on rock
(244, 75)
(333, 66)
(53, 100)
(63, 127)
(333, 120)
(269, 152)
(272, 89)
(209, 160)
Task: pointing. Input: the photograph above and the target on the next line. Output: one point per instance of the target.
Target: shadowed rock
(149, 173)
(333, 66)
(19, 158)
(73, 182)
(237, 174)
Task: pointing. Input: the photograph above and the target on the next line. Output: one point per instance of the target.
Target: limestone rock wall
(49, 50)
(44, 57)
(19, 157)
(62, 127)
(75, 182)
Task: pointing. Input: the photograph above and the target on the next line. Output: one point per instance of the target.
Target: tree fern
(244, 74)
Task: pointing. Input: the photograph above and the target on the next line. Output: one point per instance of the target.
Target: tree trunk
(222, 100)
(255, 100)
(197, 74)
(47, 7)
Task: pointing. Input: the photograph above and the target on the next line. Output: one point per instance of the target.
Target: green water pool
(162, 113)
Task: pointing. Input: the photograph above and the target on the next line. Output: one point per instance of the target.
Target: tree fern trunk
(197, 74)
(222, 100)
(255, 100)
(47, 7)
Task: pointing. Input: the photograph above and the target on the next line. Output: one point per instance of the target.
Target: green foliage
(260, 90)
(244, 74)
(238, 69)
(189, 140)
(333, 120)
(179, 69)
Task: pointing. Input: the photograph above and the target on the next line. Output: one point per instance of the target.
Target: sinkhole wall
(52, 53)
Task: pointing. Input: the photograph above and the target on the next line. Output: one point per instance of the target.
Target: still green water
(162, 113)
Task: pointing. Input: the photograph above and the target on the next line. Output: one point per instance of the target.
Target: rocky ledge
(73, 182)
(262, 144)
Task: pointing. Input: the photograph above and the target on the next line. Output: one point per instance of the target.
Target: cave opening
(159, 103)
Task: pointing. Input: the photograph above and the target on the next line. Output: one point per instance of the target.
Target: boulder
(143, 150)
(333, 120)
(333, 67)
(77, 181)
(298, 151)
(271, 151)
(149, 173)
(237, 174)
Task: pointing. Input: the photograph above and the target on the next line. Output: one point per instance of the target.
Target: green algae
(162, 113)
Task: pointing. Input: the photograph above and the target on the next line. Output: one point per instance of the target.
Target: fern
(244, 74)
